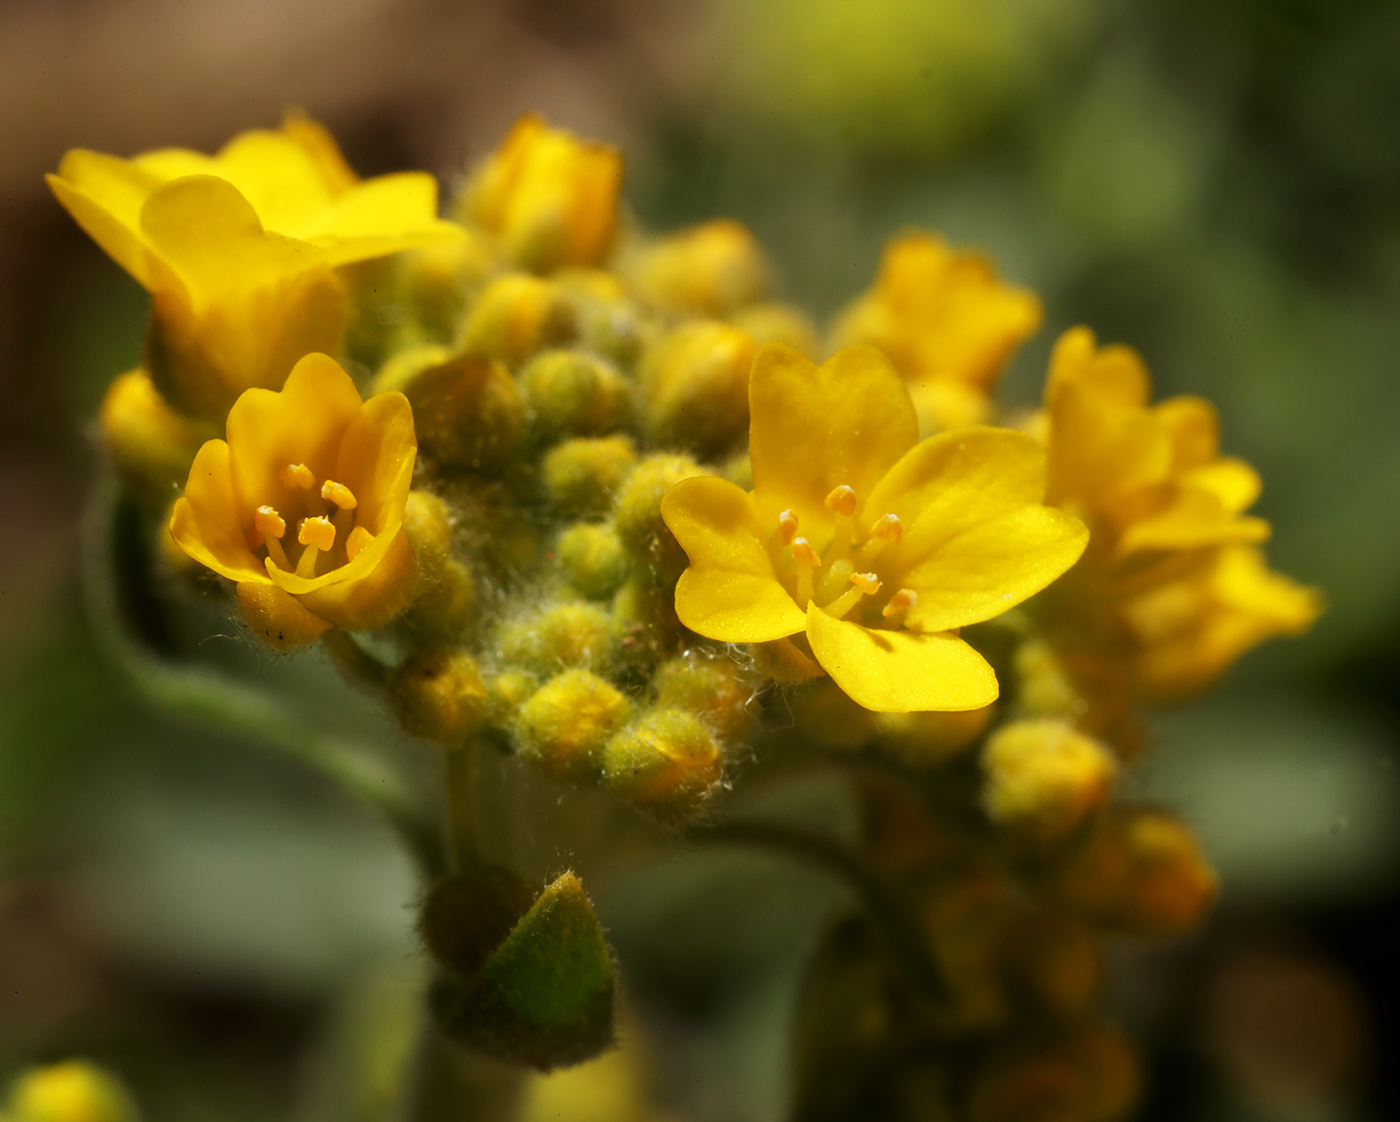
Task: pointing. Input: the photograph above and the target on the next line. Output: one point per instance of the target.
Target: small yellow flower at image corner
(303, 505)
(872, 544)
(239, 250)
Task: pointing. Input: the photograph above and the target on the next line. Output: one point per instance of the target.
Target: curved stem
(895, 923)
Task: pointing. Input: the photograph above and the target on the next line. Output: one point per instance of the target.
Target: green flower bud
(517, 315)
(439, 695)
(427, 520)
(608, 323)
(467, 410)
(643, 624)
(506, 693)
(667, 762)
(571, 393)
(468, 915)
(70, 1092)
(592, 558)
(437, 278)
(710, 686)
(564, 726)
(1043, 779)
(573, 633)
(582, 476)
(709, 269)
(638, 515)
(445, 604)
(695, 387)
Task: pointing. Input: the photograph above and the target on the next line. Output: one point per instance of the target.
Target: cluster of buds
(599, 500)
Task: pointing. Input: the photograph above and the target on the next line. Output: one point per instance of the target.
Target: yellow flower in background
(711, 269)
(1191, 628)
(303, 505)
(874, 545)
(72, 1091)
(550, 197)
(239, 250)
(947, 322)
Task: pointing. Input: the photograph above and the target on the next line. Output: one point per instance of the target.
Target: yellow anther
(803, 553)
(787, 525)
(268, 522)
(868, 583)
(901, 601)
(842, 500)
(339, 494)
(317, 533)
(356, 542)
(298, 475)
(887, 528)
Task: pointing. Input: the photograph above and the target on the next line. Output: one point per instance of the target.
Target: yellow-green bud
(565, 725)
(695, 386)
(507, 692)
(517, 315)
(1142, 872)
(638, 515)
(439, 695)
(582, 476)
(573, 633)
(666, 762)
(70, 1092)
(427, 520)
(151, 444)
(437, 278)
(467, 410)
(608, 323)
(778, 323)
(467, 915)
(574, 394)
(1041, 778)
(593, 559)
(445, 604)
(709, 269)
(643, 624)
(710, 686)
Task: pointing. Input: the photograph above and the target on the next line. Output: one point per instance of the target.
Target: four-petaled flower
(875, 545)
(303, 505)
(239, 250)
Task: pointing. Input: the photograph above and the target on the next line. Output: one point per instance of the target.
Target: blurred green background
(1216, 182)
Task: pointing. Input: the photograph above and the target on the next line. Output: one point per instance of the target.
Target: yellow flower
(239, 250)
(946, 321)
(875, 545)
(550, 197)
(303, 506)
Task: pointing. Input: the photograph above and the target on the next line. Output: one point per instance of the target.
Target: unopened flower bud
(436, 281)
(506, 693)
(151, 444)
(1043, 779)
(666, 762)
(695, 386)
(638, 515)
(517, 315)
(643, 624)
(427, 520)
(70, 1092)
(593, 559)
(467, 915)
(710, 269)
(1142, 872)
(778, 323)
(445, 604)
(931, 738)
(710, 686)
(1087, 1075)
(570, 393)
(582, 476)
(1056, 959)
(565, 725)
(572, 633)
(439, 695)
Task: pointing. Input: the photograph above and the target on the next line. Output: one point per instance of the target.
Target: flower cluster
(553, 486)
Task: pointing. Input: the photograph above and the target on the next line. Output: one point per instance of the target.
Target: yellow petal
(279, 619)
(1114, 375)
(380, 216)
(813, 428)
(900, 671)
(1194, 519)
(372, 592)
(105, 196)
(1235, 483)
(279, 176)
(207, 522)
(321, 146)
(303, 424)
(976, 539)
(730, 591)
(375, 459)
(1194, 425)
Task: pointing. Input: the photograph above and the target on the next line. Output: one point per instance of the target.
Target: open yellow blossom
(947, 322)
(550, 197)
(239, 250)
(303, 505)
(875, 545)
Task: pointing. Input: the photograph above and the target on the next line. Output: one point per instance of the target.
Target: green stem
(898, 927)
(214, 700)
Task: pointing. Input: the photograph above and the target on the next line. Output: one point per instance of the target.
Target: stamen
(339, 494)
(803, 553)
(268, 522)
(900, 602)
(298, 475)
(278, 554)
(888, 528)
(842, 500)
(868, 583)
(787, 525)
(356, 542)
(316, 533)
(862, 585)
(806, 559)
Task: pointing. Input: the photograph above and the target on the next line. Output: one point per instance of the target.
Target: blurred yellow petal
(1193, 424)
(1233, 482)
(730, 591)
(105, 196)
(375, 459)
(900, 671)
(375, 588)
(813, 428)
(207, 522)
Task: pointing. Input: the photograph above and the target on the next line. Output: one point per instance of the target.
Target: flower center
(317, 531)
(845, 574)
